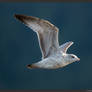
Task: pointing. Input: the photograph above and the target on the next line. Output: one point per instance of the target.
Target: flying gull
(53, 55)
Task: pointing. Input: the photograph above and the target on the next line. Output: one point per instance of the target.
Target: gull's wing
(47, 33)
(65, 46)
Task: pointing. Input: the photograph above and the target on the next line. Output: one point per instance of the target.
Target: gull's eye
(72, 56)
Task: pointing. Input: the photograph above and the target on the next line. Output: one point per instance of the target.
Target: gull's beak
(78, 59)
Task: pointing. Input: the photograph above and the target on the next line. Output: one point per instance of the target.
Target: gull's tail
(30, 66)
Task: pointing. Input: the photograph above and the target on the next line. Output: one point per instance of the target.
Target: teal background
(19, 46)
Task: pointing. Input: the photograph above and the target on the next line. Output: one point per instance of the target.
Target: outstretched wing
(65, 46)
(47, 33)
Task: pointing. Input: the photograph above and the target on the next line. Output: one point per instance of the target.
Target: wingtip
(22, 18)
(71, 42)
(19, 17)
(16, 15)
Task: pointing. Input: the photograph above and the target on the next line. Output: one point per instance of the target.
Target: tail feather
(32, 66)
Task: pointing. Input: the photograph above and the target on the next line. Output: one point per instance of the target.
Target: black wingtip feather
(20, 17)
(24, 17)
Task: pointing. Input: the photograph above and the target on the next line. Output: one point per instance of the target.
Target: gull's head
(68, 58)
(71, 58)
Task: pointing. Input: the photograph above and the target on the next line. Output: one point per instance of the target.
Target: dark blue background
(19, 46)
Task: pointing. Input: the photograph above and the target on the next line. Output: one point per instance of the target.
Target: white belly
(52, 62)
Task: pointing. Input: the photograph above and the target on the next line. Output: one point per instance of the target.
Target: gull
(53, 55)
